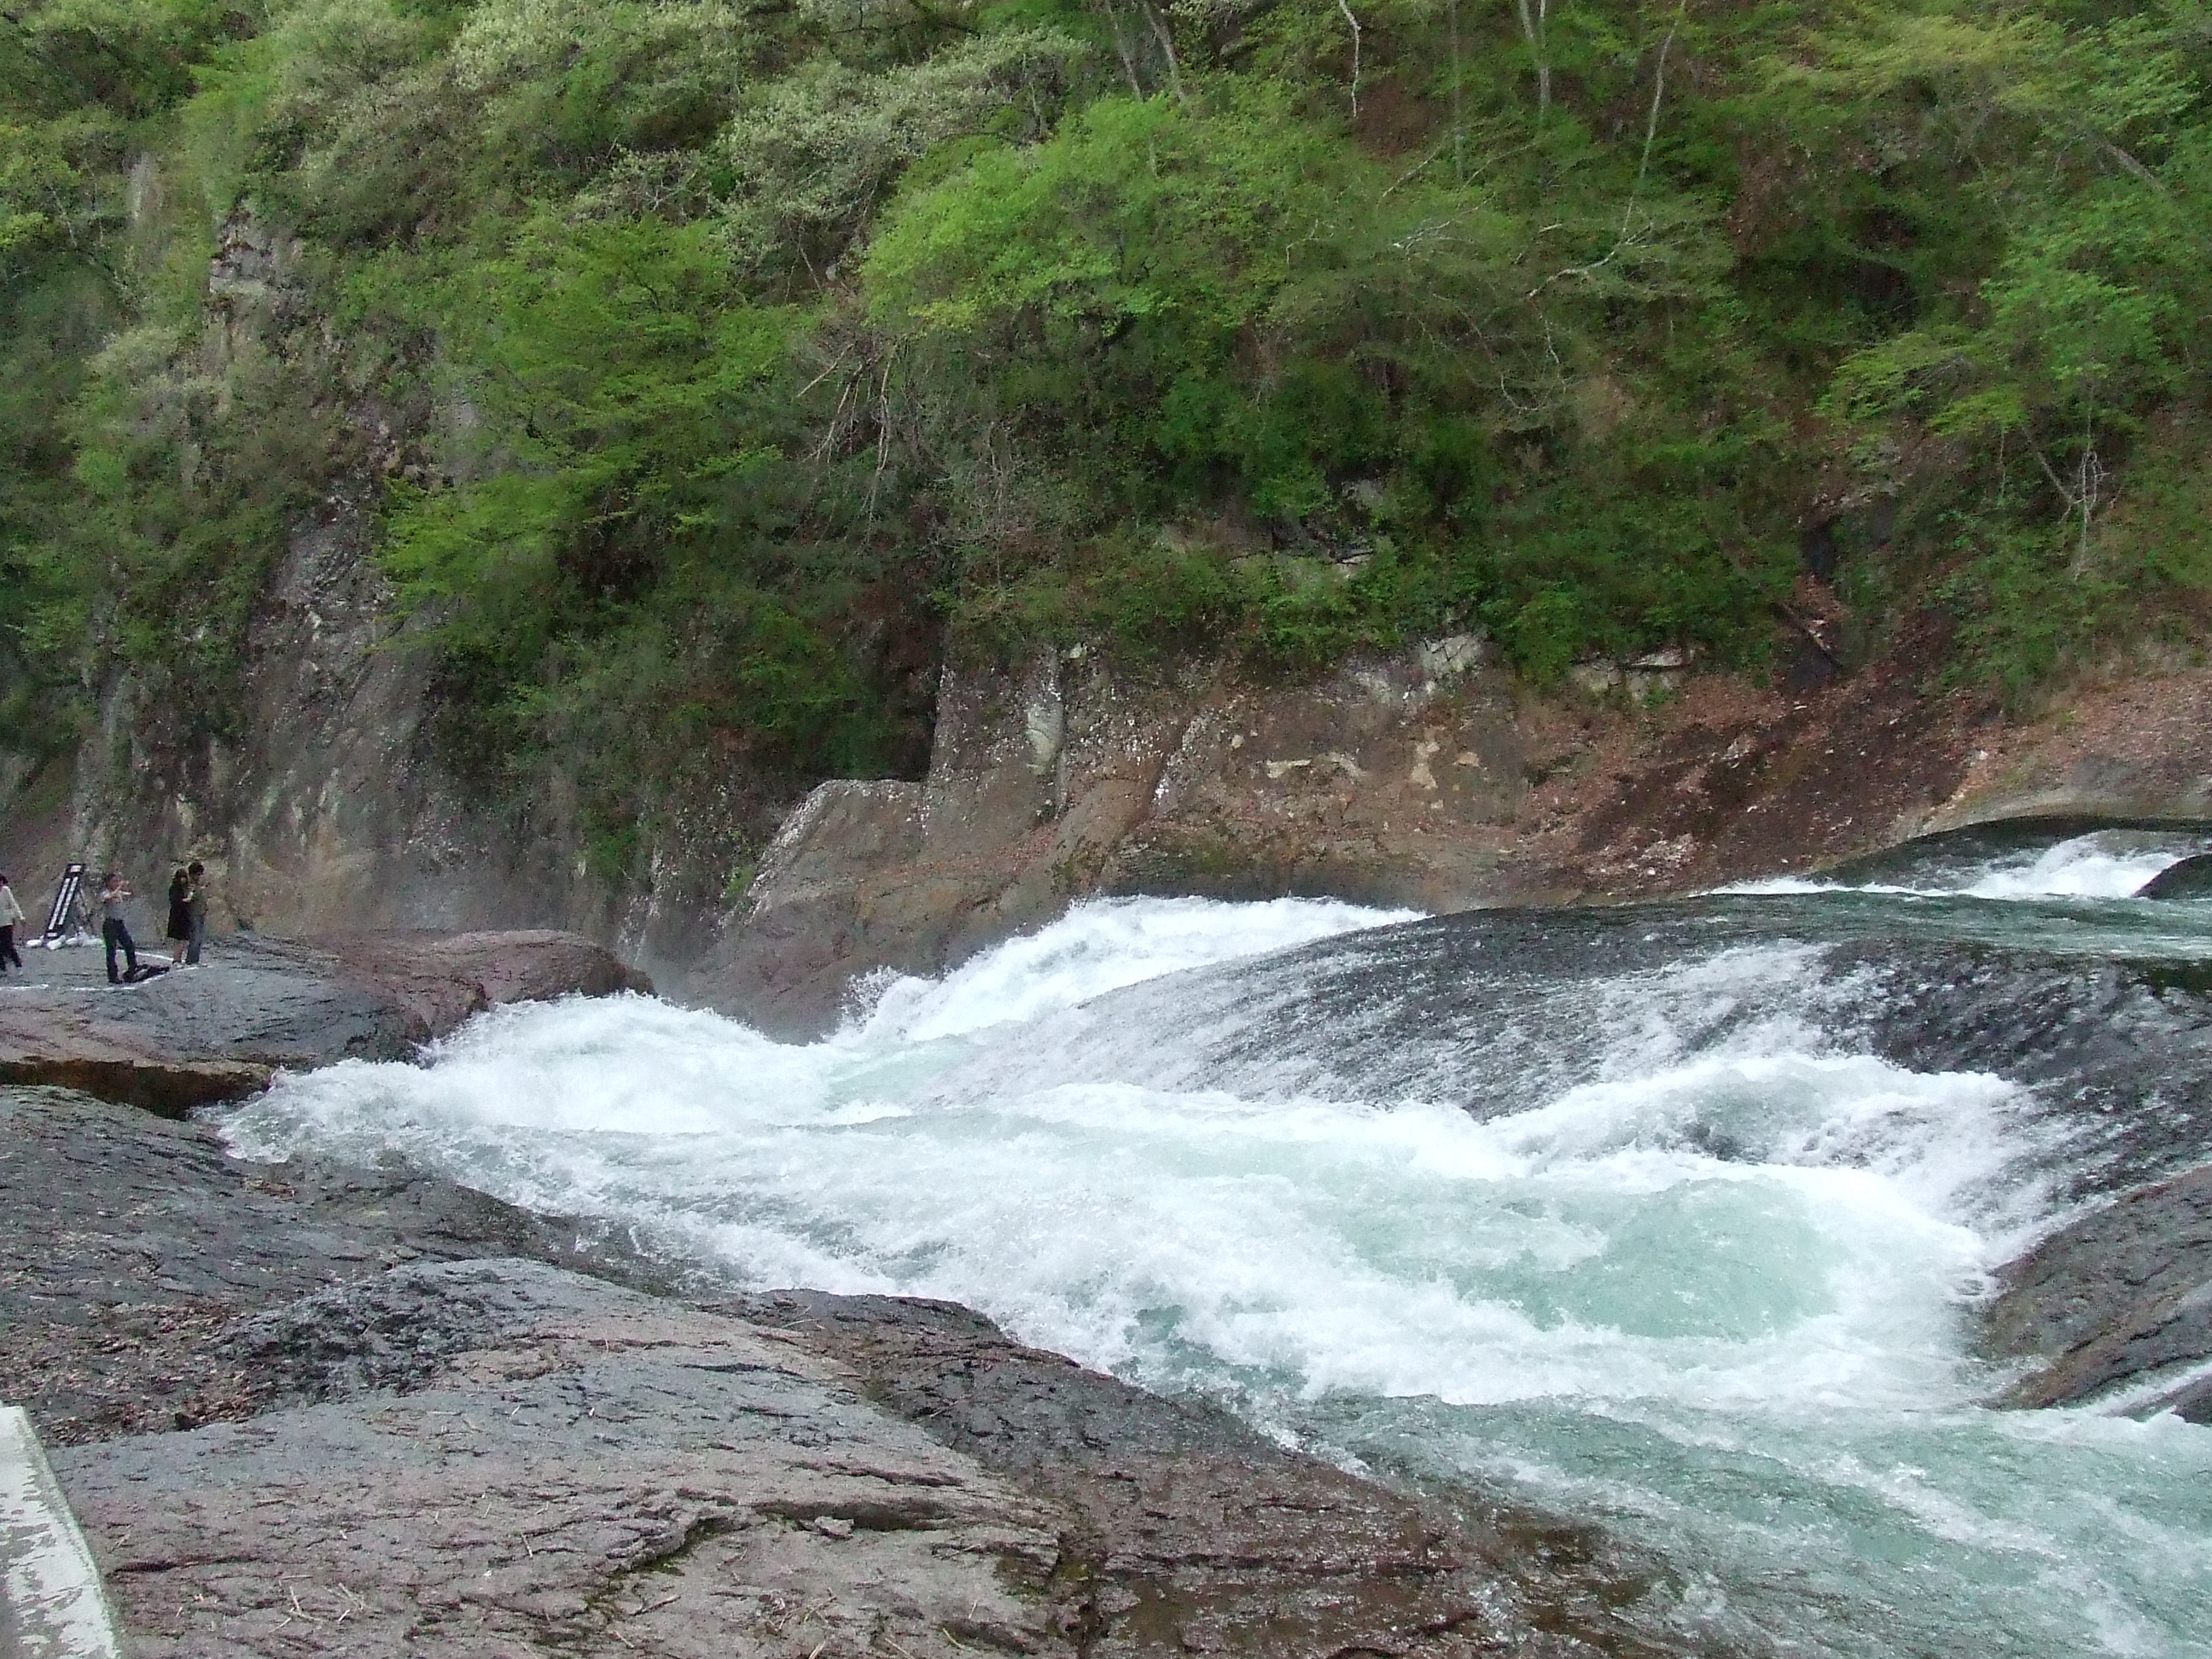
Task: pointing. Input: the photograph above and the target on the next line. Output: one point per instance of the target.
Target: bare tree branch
(1167, 48)
(1533, 31)
(1346, 9)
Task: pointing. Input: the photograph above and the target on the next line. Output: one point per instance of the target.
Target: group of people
(187, 929)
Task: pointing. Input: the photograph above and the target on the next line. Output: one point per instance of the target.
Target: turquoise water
(1668, 1250)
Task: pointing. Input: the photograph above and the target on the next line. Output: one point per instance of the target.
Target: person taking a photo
(115, 893)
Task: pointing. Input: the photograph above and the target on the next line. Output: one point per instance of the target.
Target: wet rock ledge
(309, 1409)
(2121, 1300)
(199, 1036)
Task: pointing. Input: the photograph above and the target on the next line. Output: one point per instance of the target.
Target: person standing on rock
(196, 908)
(115, 893)
(11, 913)
(178, 932)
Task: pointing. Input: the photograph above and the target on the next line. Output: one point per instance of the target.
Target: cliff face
(331, 805)
(1432, 780)
(334, 810)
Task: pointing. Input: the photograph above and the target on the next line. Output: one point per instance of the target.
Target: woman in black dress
(179, 931)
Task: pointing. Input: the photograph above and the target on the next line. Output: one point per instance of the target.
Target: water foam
(1591, 1248)
(2103, 865)
(1101, 946)
(1714, 1286)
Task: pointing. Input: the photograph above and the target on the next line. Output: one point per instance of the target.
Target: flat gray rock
(1186, 1531)
(194, 1036)
(128, 1244)
(580, 1469)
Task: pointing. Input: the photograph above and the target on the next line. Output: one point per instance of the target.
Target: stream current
(1667, 1217)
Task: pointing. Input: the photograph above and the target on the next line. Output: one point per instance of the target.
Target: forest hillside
(713, 369)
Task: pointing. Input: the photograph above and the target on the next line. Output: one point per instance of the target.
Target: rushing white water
(1104, 946)
(1712, 1296)
(2103, 865)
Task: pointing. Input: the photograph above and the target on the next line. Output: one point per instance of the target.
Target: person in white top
(114, 892)
(11, 913)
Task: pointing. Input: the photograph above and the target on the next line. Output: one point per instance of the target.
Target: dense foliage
(695, 353)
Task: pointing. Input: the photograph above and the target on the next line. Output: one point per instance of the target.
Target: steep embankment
(1434, 781)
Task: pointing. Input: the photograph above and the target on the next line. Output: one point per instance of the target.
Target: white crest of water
(1099, 947)
(2088, 866)
(2098, 865)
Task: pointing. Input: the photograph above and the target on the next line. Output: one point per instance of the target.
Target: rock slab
(2122, 1296)
(194, 1038)
(1183, 1531)
(574, 1468)
(128, 1244)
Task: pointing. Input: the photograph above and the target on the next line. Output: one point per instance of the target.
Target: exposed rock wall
(333, 806)
(1434, 780)
(333, 810)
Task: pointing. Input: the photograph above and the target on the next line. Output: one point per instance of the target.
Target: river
(1671, 1216)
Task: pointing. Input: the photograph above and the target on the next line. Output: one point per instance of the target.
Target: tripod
(69, 920)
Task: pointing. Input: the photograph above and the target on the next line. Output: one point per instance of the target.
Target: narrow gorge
(1253, 827)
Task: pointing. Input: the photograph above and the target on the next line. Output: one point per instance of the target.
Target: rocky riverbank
(1434, 780)
(314, 1408)
(306, 1409)
(196, 1036)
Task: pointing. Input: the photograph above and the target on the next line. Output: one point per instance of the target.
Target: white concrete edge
(52, 1605)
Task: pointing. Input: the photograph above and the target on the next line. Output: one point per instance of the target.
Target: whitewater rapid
(1712, 1291)
(2102, 865)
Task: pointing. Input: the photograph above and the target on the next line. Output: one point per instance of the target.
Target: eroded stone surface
(587, 1470)
(2124, 1293)
(1188, 1532)
(542, 1463)
(195, 1037)
(1432, 780)
(129, 1245)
